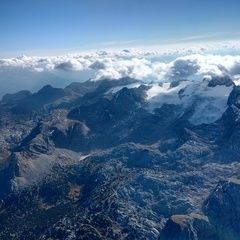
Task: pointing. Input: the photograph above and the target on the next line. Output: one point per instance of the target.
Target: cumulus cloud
(182, 67)
(70, 65)
(197, 61)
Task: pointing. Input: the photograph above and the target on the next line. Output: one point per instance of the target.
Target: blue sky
(56, 26)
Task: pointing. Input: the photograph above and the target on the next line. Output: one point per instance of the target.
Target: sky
(40, 27)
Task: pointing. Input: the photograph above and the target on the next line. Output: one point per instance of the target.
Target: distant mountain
(119, 159)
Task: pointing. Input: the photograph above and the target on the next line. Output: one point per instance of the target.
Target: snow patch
(211, 105)
(157, 95)
(116, 89)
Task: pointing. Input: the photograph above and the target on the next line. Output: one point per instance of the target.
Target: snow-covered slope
(208, 103)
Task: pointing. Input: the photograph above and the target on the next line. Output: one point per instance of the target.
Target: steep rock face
(223, 209)
(234, 98)
(8, 170)
(215, 81)
(188, 227)
(229, 126)
(72, 135)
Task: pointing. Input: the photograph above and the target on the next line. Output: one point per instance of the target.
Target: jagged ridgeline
(119, 159)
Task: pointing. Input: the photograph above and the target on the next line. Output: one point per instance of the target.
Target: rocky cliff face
(121, 160)
(223, 209)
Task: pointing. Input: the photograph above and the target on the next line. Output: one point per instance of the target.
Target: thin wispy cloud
(117, 43)
(209, 36)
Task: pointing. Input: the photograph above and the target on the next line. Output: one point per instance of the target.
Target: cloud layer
(147, 65)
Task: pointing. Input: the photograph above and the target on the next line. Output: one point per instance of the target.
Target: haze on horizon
(59, 26)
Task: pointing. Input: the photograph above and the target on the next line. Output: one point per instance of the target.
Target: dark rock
(37, 101)
(188, 227)
(16, 97)
(219, 81)
(223, 209)
(234, 98)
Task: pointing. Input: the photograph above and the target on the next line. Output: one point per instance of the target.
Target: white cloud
(196, 61)
(195, 66)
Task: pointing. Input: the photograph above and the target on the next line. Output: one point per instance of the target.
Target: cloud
(191, 62)
(195, 66)
(70, 65)
(183, 68)
(192, 66)
(209, 36)
(118, 43)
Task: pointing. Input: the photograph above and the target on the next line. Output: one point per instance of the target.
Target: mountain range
(121, 159)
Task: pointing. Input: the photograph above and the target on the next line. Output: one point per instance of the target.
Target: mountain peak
(219, 81)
